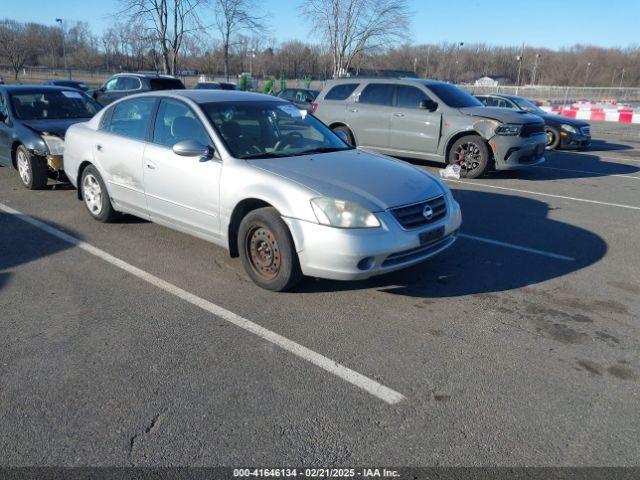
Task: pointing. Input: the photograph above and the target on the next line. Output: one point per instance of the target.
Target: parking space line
(596, 154)
(518, 247)
(589, 172)
(584, 200)
(367, 384)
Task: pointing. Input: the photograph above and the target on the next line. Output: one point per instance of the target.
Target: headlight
(343, 214)
(508, 130)
(569, 128)
(54, 144)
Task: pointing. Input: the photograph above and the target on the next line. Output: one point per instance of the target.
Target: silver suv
(431, 120)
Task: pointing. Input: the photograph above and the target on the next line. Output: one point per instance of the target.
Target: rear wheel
(267, 251)
(95, 196)
(471, 154)
(553, 138)
(32, 169)
(348, 133)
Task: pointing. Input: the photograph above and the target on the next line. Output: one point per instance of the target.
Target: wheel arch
(333, 125)
(84, 164)
(239, 212)
(458, 135)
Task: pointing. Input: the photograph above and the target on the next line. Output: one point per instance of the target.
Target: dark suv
(124, 84)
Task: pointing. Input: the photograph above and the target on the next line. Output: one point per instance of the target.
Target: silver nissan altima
(257, 176)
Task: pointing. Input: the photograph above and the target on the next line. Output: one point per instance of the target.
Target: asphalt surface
(504, 356)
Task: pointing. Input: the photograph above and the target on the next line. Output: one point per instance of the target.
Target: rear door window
(132, 117)
(128, 83)
(166, 84)
(378, 94)
(341, 92)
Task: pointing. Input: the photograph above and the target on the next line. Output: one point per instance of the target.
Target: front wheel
(471, 154)
(95, 195)
(267, 251)
(553, 138)
(347, 133)
(32, 169)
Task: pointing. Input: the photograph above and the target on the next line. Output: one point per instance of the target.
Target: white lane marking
(619, 205)
(518, 247)
(365, 383)
(589, 172)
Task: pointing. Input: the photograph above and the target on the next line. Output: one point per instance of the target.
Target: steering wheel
(288, 140)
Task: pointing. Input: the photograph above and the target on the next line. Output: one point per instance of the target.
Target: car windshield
(525, 104)
(270, 129)
(53, 104)
(454, 96)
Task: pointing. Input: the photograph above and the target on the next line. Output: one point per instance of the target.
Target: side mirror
(193, 148)
(429, 105)
(342, 136)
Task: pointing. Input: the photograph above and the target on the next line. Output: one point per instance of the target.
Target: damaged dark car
(33, 123)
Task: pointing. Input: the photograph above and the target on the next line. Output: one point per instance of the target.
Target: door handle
(354, 110)
(150, 165)
(398, 115)
(99, 148)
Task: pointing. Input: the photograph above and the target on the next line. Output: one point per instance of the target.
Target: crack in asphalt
(155, 423)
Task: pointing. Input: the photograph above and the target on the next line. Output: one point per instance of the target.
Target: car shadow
(22, 243)
(604, 146)
(474, 266)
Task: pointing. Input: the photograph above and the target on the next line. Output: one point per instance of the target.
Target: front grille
(411, 216)
(529, 129)
(417, 253)
(586, 130)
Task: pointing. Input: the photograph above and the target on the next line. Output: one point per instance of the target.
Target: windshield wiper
(324, 150)
(264, 155)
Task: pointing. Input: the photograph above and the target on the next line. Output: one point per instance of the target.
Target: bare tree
(14, 44)
(168, 21)
(353, 27)
(232, 18)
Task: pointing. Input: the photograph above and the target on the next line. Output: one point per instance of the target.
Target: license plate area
(431, 236)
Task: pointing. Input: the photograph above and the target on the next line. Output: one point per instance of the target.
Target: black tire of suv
(555, 143)
(37, 169)
(265, 228)
(107, 213)
(350, 139)
(483, 161)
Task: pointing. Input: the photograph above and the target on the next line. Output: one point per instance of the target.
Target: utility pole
(621, 77)
(535, 69)
(586, 75)
(519, 58)
(64, 53)
(252, 55)
(455, 78)
(613, 77)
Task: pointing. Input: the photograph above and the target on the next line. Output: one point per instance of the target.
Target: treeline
(127, 46)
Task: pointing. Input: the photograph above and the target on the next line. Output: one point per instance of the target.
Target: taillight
(314, 107)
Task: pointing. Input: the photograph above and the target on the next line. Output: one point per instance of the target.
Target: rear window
(341, 92)
(166, 84)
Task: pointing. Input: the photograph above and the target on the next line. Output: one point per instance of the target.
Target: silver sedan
(268, 182)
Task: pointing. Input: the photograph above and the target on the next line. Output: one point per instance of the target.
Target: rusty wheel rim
(264, 253)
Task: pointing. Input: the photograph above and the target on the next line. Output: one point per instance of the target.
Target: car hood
(504, 115)
(553, 119)
(374, 181)
(55, 127)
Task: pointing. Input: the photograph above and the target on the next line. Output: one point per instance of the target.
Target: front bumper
(356, 254)
(511, 152)
(570, 140)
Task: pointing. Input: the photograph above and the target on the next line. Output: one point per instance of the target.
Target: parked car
(257, 176)
(33, 122)
(431, 120)
(562, 132)
(303, 98)
(215, 86)
(123, 84)
(83, 87)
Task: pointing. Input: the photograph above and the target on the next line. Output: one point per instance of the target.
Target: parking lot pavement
(518, 346)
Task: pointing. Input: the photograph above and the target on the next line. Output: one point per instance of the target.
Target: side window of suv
(111, 84)
(410, 97)
(341, 92)
(128, 83)
(132, 117)
(378, 94)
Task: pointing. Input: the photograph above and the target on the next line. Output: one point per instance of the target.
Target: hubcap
(92, 194)
(468, 156)
(550, 137)
(23, 167)
(264, 253)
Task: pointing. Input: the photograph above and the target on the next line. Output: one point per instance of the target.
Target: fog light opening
(366, 263)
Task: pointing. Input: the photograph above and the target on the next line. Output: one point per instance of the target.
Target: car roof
(144, 75)
(410, 80)
(35, 87)
(206, 96)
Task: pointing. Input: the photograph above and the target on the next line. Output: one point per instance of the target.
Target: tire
(553, 138)
(350, 138)
(475, 155)
(267, 251)
(95, 196)
(32, 169)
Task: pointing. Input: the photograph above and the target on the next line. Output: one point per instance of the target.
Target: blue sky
(543, 23)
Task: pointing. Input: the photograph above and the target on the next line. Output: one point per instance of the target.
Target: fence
(563, 93)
